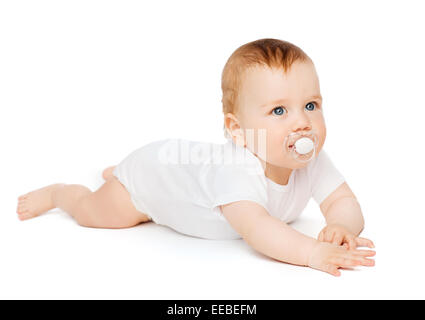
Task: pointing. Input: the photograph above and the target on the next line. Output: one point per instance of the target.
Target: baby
(250, 187)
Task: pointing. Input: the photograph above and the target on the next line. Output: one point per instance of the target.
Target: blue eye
(310, 103)
(279, 111)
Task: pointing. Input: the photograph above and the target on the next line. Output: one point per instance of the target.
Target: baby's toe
(25, 215)
(22, 206)
(24, 196)
(21, 209)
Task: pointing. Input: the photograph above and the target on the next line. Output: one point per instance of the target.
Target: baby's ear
(238, 137)
(233, 129)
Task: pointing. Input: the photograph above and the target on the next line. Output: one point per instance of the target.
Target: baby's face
(281, 103)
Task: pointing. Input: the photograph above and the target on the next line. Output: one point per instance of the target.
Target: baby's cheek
(322, 137)
(277, 154)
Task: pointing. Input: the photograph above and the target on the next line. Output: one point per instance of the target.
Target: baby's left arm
(344, 219)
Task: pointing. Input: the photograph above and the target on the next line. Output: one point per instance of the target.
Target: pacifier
(301, 145)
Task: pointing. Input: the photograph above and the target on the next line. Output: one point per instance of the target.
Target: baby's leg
(108, 207)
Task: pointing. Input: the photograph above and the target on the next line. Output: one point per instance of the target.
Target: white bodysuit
(181, 183)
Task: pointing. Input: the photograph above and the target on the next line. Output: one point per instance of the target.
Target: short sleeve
(235, 180)
(325, 177)
(234, 184)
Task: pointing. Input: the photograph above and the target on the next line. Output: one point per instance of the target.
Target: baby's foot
(36, 202)
(107, 173)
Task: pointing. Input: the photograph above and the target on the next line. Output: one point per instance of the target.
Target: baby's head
(270, 91)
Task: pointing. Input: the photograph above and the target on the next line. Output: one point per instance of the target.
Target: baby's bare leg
(108, 207)
(68, 197)
(58, 195)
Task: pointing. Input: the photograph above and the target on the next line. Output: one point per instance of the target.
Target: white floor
(52, 257)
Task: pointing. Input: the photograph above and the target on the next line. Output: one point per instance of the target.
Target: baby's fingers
(340, 262)
(351, 242)
(328, 236)
(325, 236)
(363, 242)
(363, 253)
(332, 269)
(361, 257)
(338, 239)
(345, 262)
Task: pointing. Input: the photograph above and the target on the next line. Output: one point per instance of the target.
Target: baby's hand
(329, 257)
(339, 235)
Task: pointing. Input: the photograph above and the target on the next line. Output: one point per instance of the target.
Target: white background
(84, 83)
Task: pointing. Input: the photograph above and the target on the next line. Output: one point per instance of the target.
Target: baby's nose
(302, 123)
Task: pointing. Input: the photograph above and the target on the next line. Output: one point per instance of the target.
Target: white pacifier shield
(304, 145)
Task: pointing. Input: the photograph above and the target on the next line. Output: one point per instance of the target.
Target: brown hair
(273, 53)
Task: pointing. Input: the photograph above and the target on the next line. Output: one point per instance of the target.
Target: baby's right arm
(276, 239)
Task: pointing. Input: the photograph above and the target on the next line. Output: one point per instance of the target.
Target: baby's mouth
(291, 145)
(301, 146)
